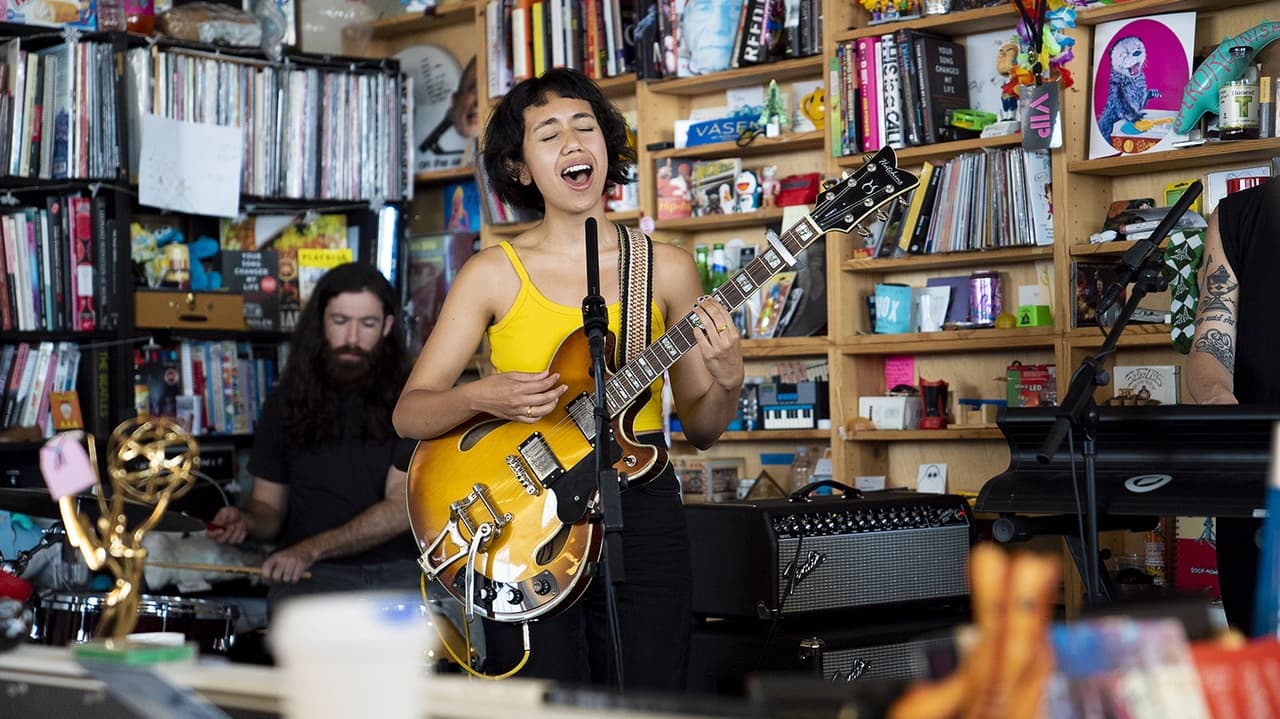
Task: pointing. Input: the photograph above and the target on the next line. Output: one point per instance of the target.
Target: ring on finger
(528, 411)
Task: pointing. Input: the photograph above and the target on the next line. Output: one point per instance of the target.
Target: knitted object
(1182, 259)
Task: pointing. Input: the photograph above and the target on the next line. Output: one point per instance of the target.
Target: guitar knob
(514, 596)
(485, 593)
(541, 587)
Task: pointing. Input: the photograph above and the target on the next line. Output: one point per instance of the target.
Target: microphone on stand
(1137, 257)
(595, 317)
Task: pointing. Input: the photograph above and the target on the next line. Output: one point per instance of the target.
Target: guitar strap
(635, 275)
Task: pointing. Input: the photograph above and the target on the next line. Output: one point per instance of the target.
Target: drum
(66, 617)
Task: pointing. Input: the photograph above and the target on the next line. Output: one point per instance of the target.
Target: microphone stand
(595, 322)
(1143, 265)
(1079, 413)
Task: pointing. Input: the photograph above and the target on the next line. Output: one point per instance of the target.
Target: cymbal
(38, 503)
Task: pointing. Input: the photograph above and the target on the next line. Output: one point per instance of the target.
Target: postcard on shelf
(64, 407)
(1140, 69)
(1147, 382)
(461, 206)
(190, 167)
(446, 112)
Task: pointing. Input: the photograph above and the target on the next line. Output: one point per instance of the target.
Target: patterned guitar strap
(635, 275)
(1182, 258)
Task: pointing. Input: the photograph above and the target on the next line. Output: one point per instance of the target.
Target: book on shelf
(674, 188)
(255, 275)
(431, 262)
(1220, 183)
(944, 82)
(313, 263)
(1140, 67)
(711, 48)
(891, 101)
(1091, 280)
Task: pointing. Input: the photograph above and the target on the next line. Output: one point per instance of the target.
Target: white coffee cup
(352, 654)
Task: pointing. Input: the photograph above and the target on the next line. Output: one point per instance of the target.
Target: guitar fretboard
(627, 384)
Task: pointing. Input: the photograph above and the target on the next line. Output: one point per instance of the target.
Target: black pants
(1237, 539)
(654, 608)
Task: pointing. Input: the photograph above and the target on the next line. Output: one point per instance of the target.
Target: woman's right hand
(522, 396)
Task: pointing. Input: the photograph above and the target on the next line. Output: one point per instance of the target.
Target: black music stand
(1079, 414)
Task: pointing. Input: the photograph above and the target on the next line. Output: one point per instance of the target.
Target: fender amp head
(778, 558)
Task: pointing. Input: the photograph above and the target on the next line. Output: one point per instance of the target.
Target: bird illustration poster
(1140, 68)
(446, 110)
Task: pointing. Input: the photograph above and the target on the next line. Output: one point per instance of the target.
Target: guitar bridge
(469, 534)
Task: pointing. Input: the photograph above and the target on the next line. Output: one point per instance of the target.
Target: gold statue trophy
(151, 460)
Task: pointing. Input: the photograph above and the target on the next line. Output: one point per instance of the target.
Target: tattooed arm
(1211, 363)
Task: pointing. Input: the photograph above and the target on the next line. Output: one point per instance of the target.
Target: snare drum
(66, 617)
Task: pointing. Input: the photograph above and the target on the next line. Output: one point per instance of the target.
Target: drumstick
(228, 568)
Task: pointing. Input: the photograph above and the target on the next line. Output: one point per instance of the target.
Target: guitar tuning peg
(829, 183)
(844, 175)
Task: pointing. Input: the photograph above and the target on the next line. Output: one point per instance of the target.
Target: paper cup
(351, 655)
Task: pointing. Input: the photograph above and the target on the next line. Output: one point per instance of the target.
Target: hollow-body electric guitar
(503, 512)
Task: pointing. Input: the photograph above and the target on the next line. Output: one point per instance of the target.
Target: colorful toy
(1045, 48)
(1220, 67)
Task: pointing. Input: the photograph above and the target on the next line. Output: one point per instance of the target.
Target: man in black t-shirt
(328, 467)
(1235, 356)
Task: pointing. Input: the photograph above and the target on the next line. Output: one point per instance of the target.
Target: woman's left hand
(720, 343)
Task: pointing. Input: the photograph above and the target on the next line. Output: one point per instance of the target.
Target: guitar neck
(637, 375)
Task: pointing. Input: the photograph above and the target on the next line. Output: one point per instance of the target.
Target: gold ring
(721, 328)
(528, 411)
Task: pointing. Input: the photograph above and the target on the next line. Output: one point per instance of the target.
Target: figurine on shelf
(891, 10)
(747, 187)
(769, 185)
(773, 118)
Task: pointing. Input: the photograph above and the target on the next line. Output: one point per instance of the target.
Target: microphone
(595, 317)
(1133, 261)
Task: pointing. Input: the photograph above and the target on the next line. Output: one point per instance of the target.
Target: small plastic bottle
(801, 470)
(719, 265)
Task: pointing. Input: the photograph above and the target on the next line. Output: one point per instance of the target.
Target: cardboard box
(891, 412)
(75, 13)
(160, 309)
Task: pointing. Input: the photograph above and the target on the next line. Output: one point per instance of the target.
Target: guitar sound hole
(552, 548)
(476, 433)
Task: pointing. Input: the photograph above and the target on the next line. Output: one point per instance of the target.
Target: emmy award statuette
(151, 460)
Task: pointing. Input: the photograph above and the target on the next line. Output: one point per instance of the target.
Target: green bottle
(704, 267)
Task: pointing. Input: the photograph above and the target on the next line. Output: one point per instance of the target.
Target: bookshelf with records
(166, 208)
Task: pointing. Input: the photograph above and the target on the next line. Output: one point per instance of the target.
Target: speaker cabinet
(723, 653)
(777, 558)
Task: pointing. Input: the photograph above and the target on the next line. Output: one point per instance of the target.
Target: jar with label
(1238, 107)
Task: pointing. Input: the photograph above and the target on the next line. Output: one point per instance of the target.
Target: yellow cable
(466, 666)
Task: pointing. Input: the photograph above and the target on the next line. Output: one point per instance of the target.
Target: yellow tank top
(526, 338)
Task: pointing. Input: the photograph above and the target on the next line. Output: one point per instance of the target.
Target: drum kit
(64, 616)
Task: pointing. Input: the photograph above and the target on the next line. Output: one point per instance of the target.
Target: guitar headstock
(845, 202)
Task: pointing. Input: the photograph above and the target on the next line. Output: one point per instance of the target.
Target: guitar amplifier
(778, 558)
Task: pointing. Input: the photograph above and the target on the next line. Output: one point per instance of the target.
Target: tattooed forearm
(1218, 285)
(1217, 344)
(1225, 318)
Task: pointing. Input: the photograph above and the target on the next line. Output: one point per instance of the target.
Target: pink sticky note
(899, 369)
(65, 466)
